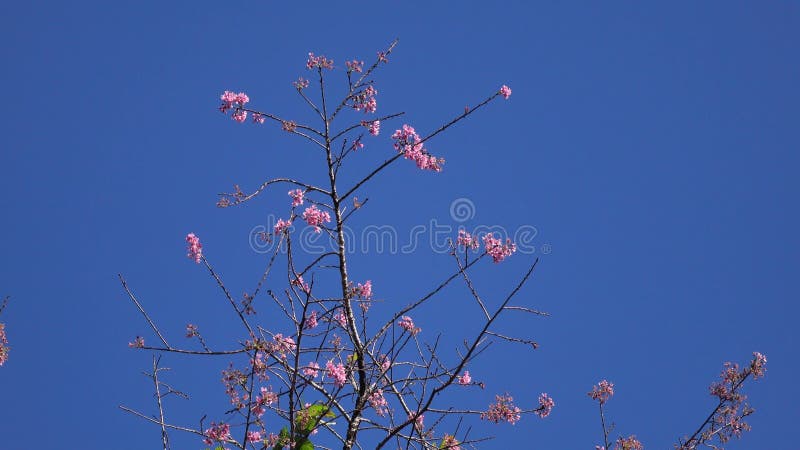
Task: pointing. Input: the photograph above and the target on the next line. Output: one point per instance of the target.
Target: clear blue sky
(654, 148)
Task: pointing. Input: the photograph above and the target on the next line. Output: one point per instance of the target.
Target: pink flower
(502, 409)
(465, 379)
(137, 343)
(253, 436)
(288, 125)
(4, 348)
(466, 240)
(497, 249)
(505, 91)
(365, 100)
(419, 422)
(316, 217)
(385, 363)
(407, 324)
(340, 319)
(450, 442)
(628, 443)
(757, 366)
(299, 282)
(191, 331)
(194, 248)
(258, 118)
(318, 61)
(217, 433)
(363, 290)
(382, 57)
(300, 84)
(337, 372)
(357, 144)
(373, 127)
(282, 345)
(546, 405)
(354, 66)
(311, 321)
(312, 370)
(602, 391)
(410, 144)
(378, 401)
(297, 197)
(239, 115)
(281, 226)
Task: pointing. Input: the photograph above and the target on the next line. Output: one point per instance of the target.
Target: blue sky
(654, 148)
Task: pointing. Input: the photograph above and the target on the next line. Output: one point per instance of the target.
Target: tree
(343, 377)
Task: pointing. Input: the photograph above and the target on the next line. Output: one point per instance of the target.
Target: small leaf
(304, 444)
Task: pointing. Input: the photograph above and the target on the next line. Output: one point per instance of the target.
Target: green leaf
(304, 444)
(308, 419)
(283, 438)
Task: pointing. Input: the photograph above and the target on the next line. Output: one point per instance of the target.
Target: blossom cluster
(315, 217)
(265, 399)
(465, 379)
(318, 62)
(4, 348)
(410, 144)
(217, 433)
(374, 127)
(497, 249)
(311, 370)
(450, 442)
(365, 100)
(379, 403)
(505, 91)
(466, 240)
(546, 405)
(628, 443)
(297, 197)
(363, 290)
(300, 84)
(503, 409)
(354, 66)
(281, 226)
(231, 100)
(407, 324)
(337, 372)
(194, 248)
(602, 391)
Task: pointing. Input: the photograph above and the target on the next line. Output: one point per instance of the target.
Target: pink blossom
(497, 249)
(282, 345)
(502, 409)
(316, 217)
(312, 370)
(602, 391)
(281, 226)
(318, 61)
(299, 282)
(450, 442)
(311, 321)
(194, 247)
(300, 84)
(258, 118)
(340, 319)
(228, 98)
(466, 240)
(357, 144)
(386, 363)
(365, 100)
(628, 443)
(465, 379)
(297, 197)
(382, 57)
(407, 324)
(757, 366)
(419, 422)
(505, 91)
(217, 433)
(410, 144)
(253, 436)
(337, 372)
(288, 125)
(354, 66)
(137, 343)
(191, 331)
(363, 290)
(239, 115)
(4, 348)
(373, 127)
(378, 401)
(546, 405)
